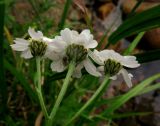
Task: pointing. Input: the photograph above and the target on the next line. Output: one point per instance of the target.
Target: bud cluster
(111, 67)
(38, 48)
(76, 53)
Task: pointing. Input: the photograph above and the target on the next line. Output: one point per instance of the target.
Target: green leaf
(143, 21)
(19, 76)
(132, 46)
(132, 93)
(10, 121)
(148, 56)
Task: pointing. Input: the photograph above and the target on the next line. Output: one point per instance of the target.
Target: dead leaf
(39, 119)
(81, 5)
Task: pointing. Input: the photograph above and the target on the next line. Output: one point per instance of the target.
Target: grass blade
(148, 56)
(150, 88)
(3, 87)
(112, 100)
(133, 92)
(22, 80)
(123, 115)
(64, 15)
(134, 44)
(135, 7)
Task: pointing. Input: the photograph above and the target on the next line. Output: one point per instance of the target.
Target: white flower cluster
(71, 46)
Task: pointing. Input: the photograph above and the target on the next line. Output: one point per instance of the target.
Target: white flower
(113, 63)
(37, 42)
(72, 46)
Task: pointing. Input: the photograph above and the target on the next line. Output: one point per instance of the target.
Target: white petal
(58, 66)
(67, 35)
(92, 44)
(49, 50)
(86, 32)
(19, 47)
(87, 38)
(21, 41)
(103, 54)
(110, 54)
(130, 75)
(58, 44)
(130, 61)
(35, 35)
(48, 40)
(26, 54)
(90, 68)
(75, 33)
(113, 77)
(54, 56)
(94, 55)
(77, 72)
(100, 68)
(133, 58)
(126, 77)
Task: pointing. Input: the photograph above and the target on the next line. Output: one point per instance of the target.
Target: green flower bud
(112, 67)
(76, 53)
(38, 48)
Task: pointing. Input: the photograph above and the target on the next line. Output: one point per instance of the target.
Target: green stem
(61, 94)
(95, 95)
(38, 88)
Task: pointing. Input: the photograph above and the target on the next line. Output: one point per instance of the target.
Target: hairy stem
(61, 94)
(38, 88)
(90, 101)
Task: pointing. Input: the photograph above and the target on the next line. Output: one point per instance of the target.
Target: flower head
(36, 45)
(71, 46)
(112, 63)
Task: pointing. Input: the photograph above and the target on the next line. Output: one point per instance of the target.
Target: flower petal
(57, 66)
(126, 77)
(110, 54)
(21, 41)
(90, 68)
(86, 38)
(77, 72)
(47, 40)
(26, 54)
(58, 44)
(19, 47)
(113, 77)
(130, 75)
(35, 35)
(130, 61)
(53, 56)
(94, 55)
(101, 69)
(67, 35)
